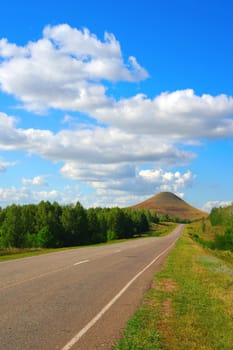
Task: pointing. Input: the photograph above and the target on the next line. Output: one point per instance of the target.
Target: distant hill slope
(168, 203)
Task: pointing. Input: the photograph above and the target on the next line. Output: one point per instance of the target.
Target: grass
(17, 253)
(190, 304)
(208, 234)
(161, 229)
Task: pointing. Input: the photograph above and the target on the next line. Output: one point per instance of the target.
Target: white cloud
(168, 181)
(64, 69)
(90, 146)
(10, 137)
(97, 172)
(36, 181)
(8, 50)
(208, 206)
(100, 60)
(127, 178)
(22, 195)
(25, 195)
(107, 159)
(178, 115)
(71, 194)
(67, 69)
(13, 195)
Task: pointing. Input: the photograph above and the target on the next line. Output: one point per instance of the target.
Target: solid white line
(84, 330)
(81, 262)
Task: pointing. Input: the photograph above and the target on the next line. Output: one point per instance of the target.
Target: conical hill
(168, 203)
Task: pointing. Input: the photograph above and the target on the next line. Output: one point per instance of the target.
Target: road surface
(79, 298)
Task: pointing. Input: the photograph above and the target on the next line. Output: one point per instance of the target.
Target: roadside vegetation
(190, 303)
(217, 232)
(162, 228)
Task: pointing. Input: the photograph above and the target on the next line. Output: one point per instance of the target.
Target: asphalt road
(79, 298)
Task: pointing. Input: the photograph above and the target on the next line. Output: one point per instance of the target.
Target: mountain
(168, 203)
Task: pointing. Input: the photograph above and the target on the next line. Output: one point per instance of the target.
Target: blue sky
(108, 103)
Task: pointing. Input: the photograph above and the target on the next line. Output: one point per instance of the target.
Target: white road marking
(81, 262)
(90, 324)
(42, 275)
(34, 278)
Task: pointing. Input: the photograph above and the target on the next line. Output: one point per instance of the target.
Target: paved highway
(79, 298)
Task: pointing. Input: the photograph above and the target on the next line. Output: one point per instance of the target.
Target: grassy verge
(161, 229)
(190, 304)
(17, 253)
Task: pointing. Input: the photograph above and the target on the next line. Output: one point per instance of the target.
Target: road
(79, 298)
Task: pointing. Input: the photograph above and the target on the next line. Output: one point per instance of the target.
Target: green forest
(50, 225)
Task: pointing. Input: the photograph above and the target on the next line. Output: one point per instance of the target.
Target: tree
(28, 213)
(12, 234)
(48, 220)
(94, 231)
(70, 225)
(82, 224)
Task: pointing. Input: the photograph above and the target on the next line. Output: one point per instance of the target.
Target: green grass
(17, 253)
(190, 304)
(162, 229)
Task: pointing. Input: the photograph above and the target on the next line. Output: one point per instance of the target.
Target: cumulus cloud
(168, 181)
(64, 69)
(128, 178)
(95, 146)
(107, 159)
(36, 181)
(24, 195)
(8, 50)
(208, 206)
(178, 115)
(129, 186)
(10, 137)
(68, 69)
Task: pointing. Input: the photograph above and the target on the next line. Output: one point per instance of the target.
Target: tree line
(52, 225)
(223, 216)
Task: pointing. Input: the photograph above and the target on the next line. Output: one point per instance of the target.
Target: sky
(110, 102)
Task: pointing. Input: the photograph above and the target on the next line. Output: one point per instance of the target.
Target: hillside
(168, 203)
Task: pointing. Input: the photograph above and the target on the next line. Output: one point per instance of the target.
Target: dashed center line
(81, 262)
(42, 275)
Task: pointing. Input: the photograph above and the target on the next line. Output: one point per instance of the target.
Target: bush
(225, 242)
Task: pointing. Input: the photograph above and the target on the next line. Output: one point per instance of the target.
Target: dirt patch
(165, 325)
(165, 285)
(167, 307)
